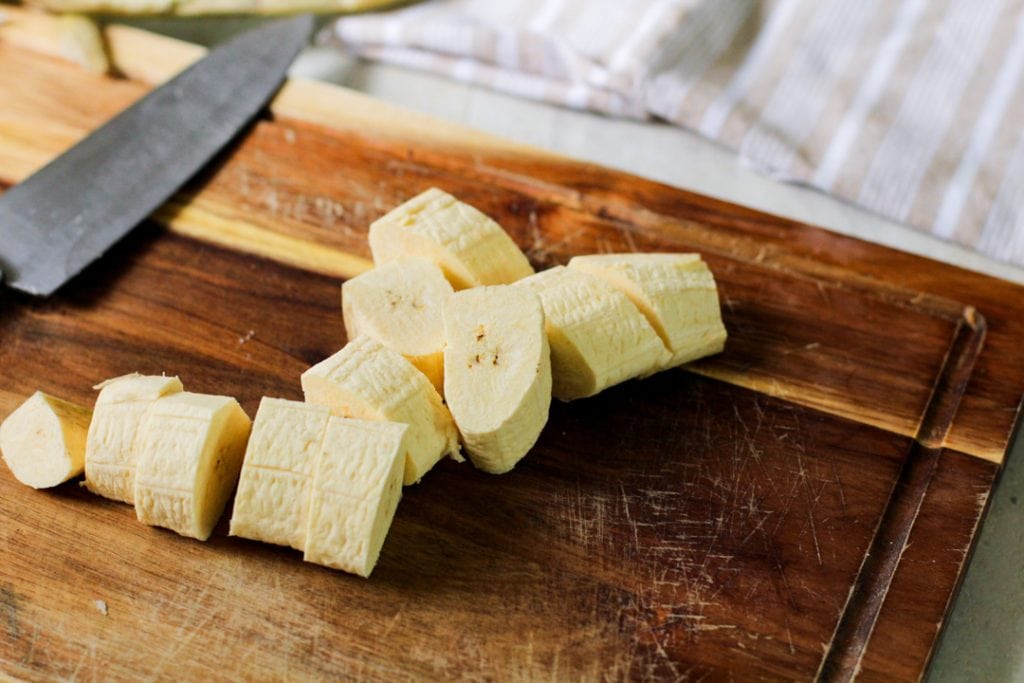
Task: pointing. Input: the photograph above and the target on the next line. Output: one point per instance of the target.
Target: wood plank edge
(203, 220)
(150, 58)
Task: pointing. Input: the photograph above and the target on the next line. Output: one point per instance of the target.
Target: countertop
(986, 630)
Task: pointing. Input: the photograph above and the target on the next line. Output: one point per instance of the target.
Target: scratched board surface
(800, 506)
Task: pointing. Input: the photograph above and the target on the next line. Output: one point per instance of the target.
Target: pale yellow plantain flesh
(400, 304)
(598, 337)
(675, 292)
(356, 487)
(498, 378)
(322, 484)
(469, 247)
(113, 444)
(43, 440)
(368, 381)
(82, 43)
(192, 449)
(272, 500)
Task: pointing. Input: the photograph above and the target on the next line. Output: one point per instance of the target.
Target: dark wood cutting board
(801, 506)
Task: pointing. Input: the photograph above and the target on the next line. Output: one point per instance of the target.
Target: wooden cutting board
(801, 506)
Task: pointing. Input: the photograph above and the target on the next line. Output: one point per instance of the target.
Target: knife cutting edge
(67, 214)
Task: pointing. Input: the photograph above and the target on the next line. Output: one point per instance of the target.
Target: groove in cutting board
(853, 633)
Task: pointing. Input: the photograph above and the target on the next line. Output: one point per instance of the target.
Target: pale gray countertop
(984, 640)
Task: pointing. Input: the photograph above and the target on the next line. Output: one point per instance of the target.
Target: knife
(67, 214)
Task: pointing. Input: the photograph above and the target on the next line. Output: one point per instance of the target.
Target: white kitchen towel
(913, 109)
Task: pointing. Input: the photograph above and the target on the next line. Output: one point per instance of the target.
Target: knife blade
(67, 214)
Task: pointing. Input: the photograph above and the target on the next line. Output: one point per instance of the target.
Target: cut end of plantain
(400, 305)
(498, 379)
(368, 381)
(192, 450)
(43, 440)
(469, 247)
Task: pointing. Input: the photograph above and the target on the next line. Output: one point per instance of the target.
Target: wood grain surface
(801, 506)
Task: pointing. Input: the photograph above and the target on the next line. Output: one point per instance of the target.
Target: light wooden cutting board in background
(801, 505)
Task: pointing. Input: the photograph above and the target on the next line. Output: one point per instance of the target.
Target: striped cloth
(913, 109)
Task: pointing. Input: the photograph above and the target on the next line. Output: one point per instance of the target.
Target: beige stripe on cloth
(913, 109)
